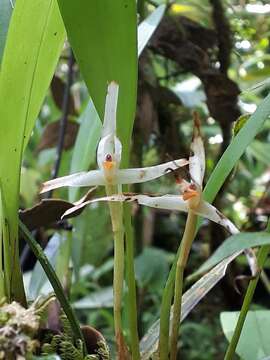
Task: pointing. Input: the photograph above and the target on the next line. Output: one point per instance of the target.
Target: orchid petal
(109, 145)
(90, 178)
(208, 211)
(139, 175)
(197, 160)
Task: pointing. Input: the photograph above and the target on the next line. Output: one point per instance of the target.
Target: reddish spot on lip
(108, 158)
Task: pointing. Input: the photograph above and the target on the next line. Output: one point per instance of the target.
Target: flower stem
(185, 246)
(168, 295)
(132, 299)
(262, 256)
(116, 212)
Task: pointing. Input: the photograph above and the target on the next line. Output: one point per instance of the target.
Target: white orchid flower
(109, 158)
(191, 195)
(191, 192)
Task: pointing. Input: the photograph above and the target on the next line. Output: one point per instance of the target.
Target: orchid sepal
(166, 202)
(122, 176)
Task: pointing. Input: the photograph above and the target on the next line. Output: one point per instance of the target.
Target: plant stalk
(185, 246)
(131, 283)
(262, 256)
(116, 212)
(168, 291)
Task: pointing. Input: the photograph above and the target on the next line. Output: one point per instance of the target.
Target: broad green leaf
(148, 26)
(35, 39)
(149, 343)
(234, 244)
(236, 149)
(254, 341)
(103, 36)
(86, 143)
(5, 14)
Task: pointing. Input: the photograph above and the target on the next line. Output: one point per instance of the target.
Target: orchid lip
(108, 165)
(190, 194)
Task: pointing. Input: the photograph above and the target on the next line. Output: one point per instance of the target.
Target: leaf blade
(108, 30)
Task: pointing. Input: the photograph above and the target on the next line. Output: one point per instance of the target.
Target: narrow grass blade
(236, 149)
(52, 277)
(148, 27)
(235, 243)
(149, 343)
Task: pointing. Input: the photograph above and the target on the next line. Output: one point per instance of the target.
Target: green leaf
(236, 149)
(149, 343)
(234, 244)
(35, 39)
(103, 35)
(148, 27)
(5, 14)
(99, 299)
(254, 341)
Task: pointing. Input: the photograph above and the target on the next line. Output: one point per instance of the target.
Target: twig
(223, 34)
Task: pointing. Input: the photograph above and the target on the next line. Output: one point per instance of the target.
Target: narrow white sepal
(90, 178)
(109, 144)
(197, 160)
(139, 175)
(166, 202)
(109, 124)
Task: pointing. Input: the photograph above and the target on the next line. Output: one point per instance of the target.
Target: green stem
(52, 277)
(262, 256)
(116, 212)
(131, 283)
(165, 312)
(166, 307)
(185, 246)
